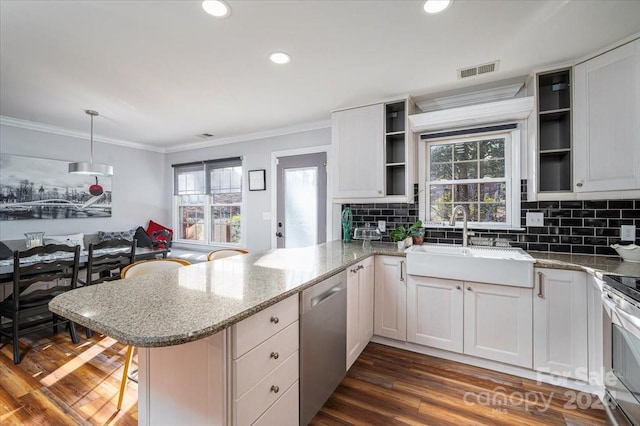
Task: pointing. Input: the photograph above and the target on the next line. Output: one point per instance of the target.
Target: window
(477, 171)
(209, 201)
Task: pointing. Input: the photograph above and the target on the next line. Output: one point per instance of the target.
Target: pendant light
(91, 168)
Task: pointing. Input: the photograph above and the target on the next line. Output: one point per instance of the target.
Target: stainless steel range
(621, 299)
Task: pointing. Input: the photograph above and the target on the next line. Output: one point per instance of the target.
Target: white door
(435, 312)
(301, 200)
(366, 300)
(498, 323)
(354, 346)
(390, 319)
(560, 322)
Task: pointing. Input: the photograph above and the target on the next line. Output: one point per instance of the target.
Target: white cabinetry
(374, 153)
(390, 318)
(595, 330)
(265, 365)
(435, 312)
(483, 320)
(357, 136)
(497, 323)
(560, 322)
(607, 121)
(360, 288)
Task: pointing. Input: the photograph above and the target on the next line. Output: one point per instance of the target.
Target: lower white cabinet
(483, 320)
(265, 366)
(360, 288)
(435, 312)
(497, 323)
(595, 330)
(560, 322)
(390, 318)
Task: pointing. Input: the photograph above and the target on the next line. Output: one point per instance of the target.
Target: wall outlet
(628, 233)
(382, 225)
(535, 219)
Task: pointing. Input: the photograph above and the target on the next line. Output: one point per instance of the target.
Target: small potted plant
(399, 236)
(417, 233)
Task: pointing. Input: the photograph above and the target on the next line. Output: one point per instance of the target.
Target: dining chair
(39, 275)
(105, 262)
(136, 269)
(225, 252)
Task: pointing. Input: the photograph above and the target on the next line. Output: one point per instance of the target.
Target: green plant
(400, 233)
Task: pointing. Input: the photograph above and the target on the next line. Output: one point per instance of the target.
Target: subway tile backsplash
(580, 226)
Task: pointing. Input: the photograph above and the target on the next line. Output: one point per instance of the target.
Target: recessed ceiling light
(435, 6)
(280, 58)
(217, 8)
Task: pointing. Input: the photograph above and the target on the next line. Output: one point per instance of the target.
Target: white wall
(256, 155)
(137, 184)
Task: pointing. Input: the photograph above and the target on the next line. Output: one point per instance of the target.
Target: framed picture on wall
(257, 181)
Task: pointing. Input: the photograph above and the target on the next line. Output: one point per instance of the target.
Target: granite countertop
(197, 301)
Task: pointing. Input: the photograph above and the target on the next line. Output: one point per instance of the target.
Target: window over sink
(208, 202)
(479, 171)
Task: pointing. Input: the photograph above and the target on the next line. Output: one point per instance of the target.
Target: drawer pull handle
(275, 355)
(275, 389)
(275, 320)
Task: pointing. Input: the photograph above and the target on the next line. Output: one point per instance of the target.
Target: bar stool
(226, 252)
(144, 267)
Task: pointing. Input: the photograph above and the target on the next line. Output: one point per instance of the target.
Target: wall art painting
(38, 188)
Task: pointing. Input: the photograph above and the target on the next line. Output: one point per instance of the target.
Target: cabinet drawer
(260, 397)
(260, 361)
(285, 412)
(249, 333)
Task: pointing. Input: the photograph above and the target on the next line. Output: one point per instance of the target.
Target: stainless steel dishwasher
(323, 343)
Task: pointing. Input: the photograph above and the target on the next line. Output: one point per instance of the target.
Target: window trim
(208, 205)
(512, 178)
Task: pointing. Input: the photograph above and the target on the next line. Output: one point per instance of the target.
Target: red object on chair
(157, 237)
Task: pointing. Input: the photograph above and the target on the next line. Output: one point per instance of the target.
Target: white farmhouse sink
(494, 265)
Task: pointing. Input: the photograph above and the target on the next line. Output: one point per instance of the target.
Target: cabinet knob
(379, 191)
(275, 320)
(275, 355)
(579, 184)
(275, 389)
(469, 288)
(458, 287)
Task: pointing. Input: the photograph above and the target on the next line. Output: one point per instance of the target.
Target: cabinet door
(595, 331)
(497, 323)
(560, 322)
(366, 282)
(390, 318)
(434, 312)
(607, 121)
(353, 315)
(357, 136)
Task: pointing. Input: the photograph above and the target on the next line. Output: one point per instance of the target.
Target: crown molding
(47, 128)
(471, 98)
(493, 112)
(252, 136)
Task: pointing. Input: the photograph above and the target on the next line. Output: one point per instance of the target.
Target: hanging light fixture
(91, 168)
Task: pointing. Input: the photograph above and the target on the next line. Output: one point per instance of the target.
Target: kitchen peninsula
(194, 326)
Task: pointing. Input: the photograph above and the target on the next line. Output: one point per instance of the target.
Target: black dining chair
(39, 275)
(105, 262)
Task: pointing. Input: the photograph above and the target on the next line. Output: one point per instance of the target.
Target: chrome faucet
(452, 222)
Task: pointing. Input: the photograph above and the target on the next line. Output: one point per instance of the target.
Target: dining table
(142, 253)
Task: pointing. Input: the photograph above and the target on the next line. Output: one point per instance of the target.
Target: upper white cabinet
(390, 319)
(360, 289)
(560, 323)
(374, 152)
(607, 121)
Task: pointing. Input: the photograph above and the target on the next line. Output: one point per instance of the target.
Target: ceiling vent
(205, 135)
(478, 69)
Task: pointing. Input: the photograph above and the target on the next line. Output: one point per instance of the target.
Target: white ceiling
(161, 72)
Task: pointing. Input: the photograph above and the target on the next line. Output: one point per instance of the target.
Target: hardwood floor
(59, 383)
(392, 386)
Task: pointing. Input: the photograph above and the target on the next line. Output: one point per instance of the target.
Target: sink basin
(494, 265)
